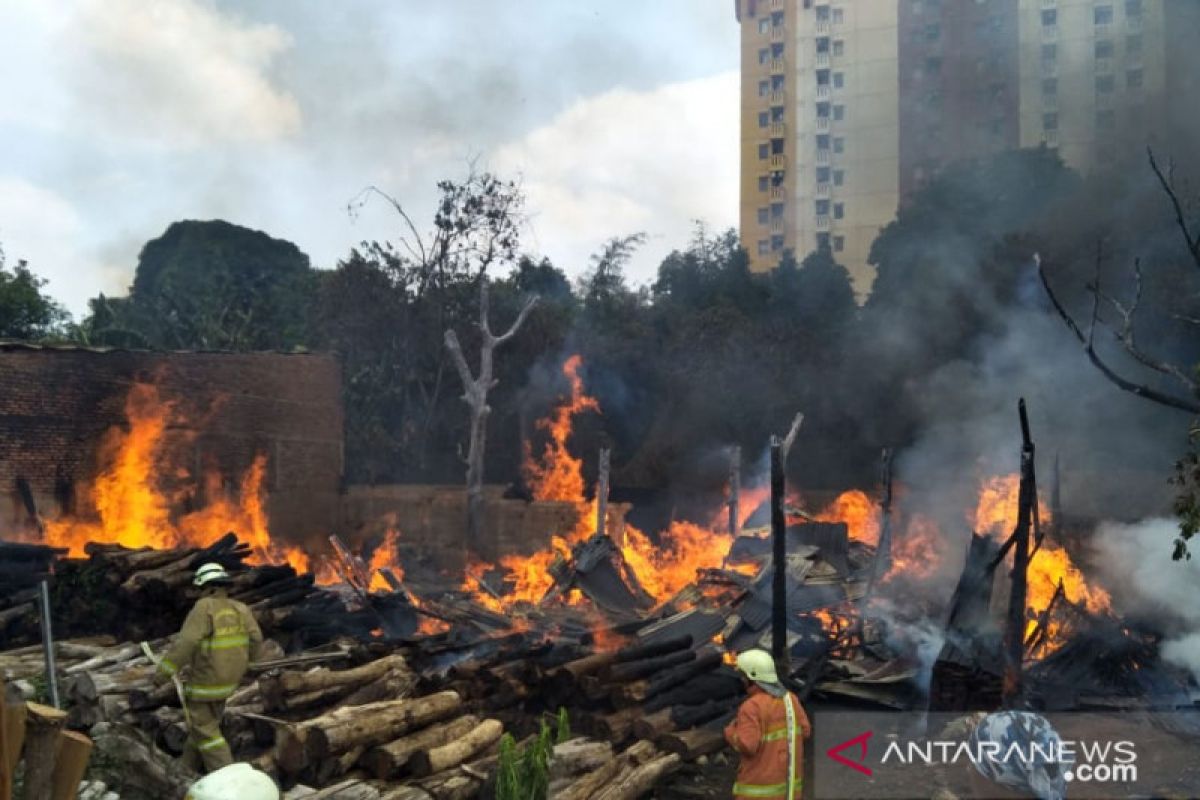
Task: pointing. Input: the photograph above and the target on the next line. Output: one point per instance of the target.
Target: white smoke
(1135, 563)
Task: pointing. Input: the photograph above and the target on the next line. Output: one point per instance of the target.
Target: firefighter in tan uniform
(768, 734)
(218, 640)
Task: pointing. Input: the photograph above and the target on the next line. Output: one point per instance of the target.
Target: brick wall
(57, 404)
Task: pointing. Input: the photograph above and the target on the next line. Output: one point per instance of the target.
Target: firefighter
(768, 733)
(218, 640)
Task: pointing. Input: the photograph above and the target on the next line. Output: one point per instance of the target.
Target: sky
(118, 117)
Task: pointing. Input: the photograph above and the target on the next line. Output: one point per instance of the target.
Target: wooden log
(41, 748)
(141, 579)
(429, 761)
(615, 727)
(586, 787)
(9, 615)
(641, 652)
(142, 768)
(394, 685)
(578, 756)
(366, 725)
(716, 685)
(691, 744)
(106, 659)
(641, 780)
(337, 766)
(389, 760)
(15, 716)
(164, 694)
(6, 768)
(653, 725)
(74, 750)
(632, 670)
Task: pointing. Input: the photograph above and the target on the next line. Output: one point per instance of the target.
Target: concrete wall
(57, 404)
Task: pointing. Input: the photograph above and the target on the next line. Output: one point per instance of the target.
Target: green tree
(25, 311)
(211, 286)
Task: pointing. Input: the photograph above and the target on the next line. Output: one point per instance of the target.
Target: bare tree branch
(419, 252)
(460, 362)
(1182, 404)
(519, 321)
(1193, 241)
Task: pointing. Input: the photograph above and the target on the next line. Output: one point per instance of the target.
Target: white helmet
(209, 573)
(235, 782)
(757, 665)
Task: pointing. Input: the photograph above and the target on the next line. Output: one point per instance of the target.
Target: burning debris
(393, 676)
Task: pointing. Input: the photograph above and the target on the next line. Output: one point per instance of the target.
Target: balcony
(776, 225)
(1050, 138)
(1049, 33)
(778, 66)
(778, 161)
(823, 92)
(823, 156)
(1133, 23)
(778, 193)
(823, 59)
(778, 130)
(823, 26)
(1103, 30)
(778, 33)
(778, 4)
(823, 189)
(778, 98)
(823, 222)
(822, 123)
(1104, 66)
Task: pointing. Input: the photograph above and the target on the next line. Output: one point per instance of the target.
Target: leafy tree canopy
(25, 311)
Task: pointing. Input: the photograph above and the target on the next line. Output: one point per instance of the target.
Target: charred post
(1014, 636)
(778, 555)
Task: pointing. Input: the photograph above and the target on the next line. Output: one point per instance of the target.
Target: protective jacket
(759, 734)
(218, 639)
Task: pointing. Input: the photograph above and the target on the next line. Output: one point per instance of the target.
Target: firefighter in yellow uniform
(218, 640)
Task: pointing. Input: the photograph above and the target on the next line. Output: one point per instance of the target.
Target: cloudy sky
(118, 117)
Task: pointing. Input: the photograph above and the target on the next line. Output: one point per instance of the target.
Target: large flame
(387, 554)
(133, 509)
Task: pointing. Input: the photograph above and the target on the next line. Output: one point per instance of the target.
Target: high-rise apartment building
(850, 106)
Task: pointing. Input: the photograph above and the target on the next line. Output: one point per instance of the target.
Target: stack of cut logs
(22, 567)
(54, 758)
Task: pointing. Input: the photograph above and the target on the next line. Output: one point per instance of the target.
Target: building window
(776, 243)
(1049, 17)
(822, 208)
(1104, 15)
(776, 210)
(1133, 45)
(764, 88)
(933, 64)
(1050, 87)
(933, 32)
(764, 247)
(839, 210)
(1106, 120)
(839, 112)
(822, 13)
(764, 119)
(839, 244)
(762, 216)
(763, 152)
(822, 141)
(839, 48)
(1104, 48)
(762, 183)
(764, 25)
(1133, 8)
(776, 51)
(1049, 53)
(1105, 84)
(777, 147)
(839, 145)
(776, 113)
(764, 55)
(777, 83)
(822, 45)
(839, 16)
(839, 177)
(1050, 122)
(823, 174)
(822, 77)
(777, 19)
(822, 110)
(822, 241)
(1133, 79)
(777, 178)
(839, 80)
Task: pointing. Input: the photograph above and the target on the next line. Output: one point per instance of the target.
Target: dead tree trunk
(475, 392)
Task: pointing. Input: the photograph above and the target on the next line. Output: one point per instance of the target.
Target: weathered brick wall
(432, 522)
(57, 404)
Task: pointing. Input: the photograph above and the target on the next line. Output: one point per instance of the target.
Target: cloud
(175, 73)
(626, 161)
(44, 229)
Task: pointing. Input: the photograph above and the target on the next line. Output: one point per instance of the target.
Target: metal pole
(735, 491)
(778, 558)
(48, 645)
(602, 492)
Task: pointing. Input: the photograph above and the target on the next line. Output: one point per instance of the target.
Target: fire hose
(157, 661)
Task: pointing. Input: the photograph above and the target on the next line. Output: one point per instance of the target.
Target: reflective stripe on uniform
(762, 789)
(209, 744)
(226, 642)
(775, 735)
(210, 692)
(166, 666)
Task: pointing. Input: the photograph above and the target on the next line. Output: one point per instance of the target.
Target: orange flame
(558, 475)
(132, 509)
(860, 513)
(387, 554)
